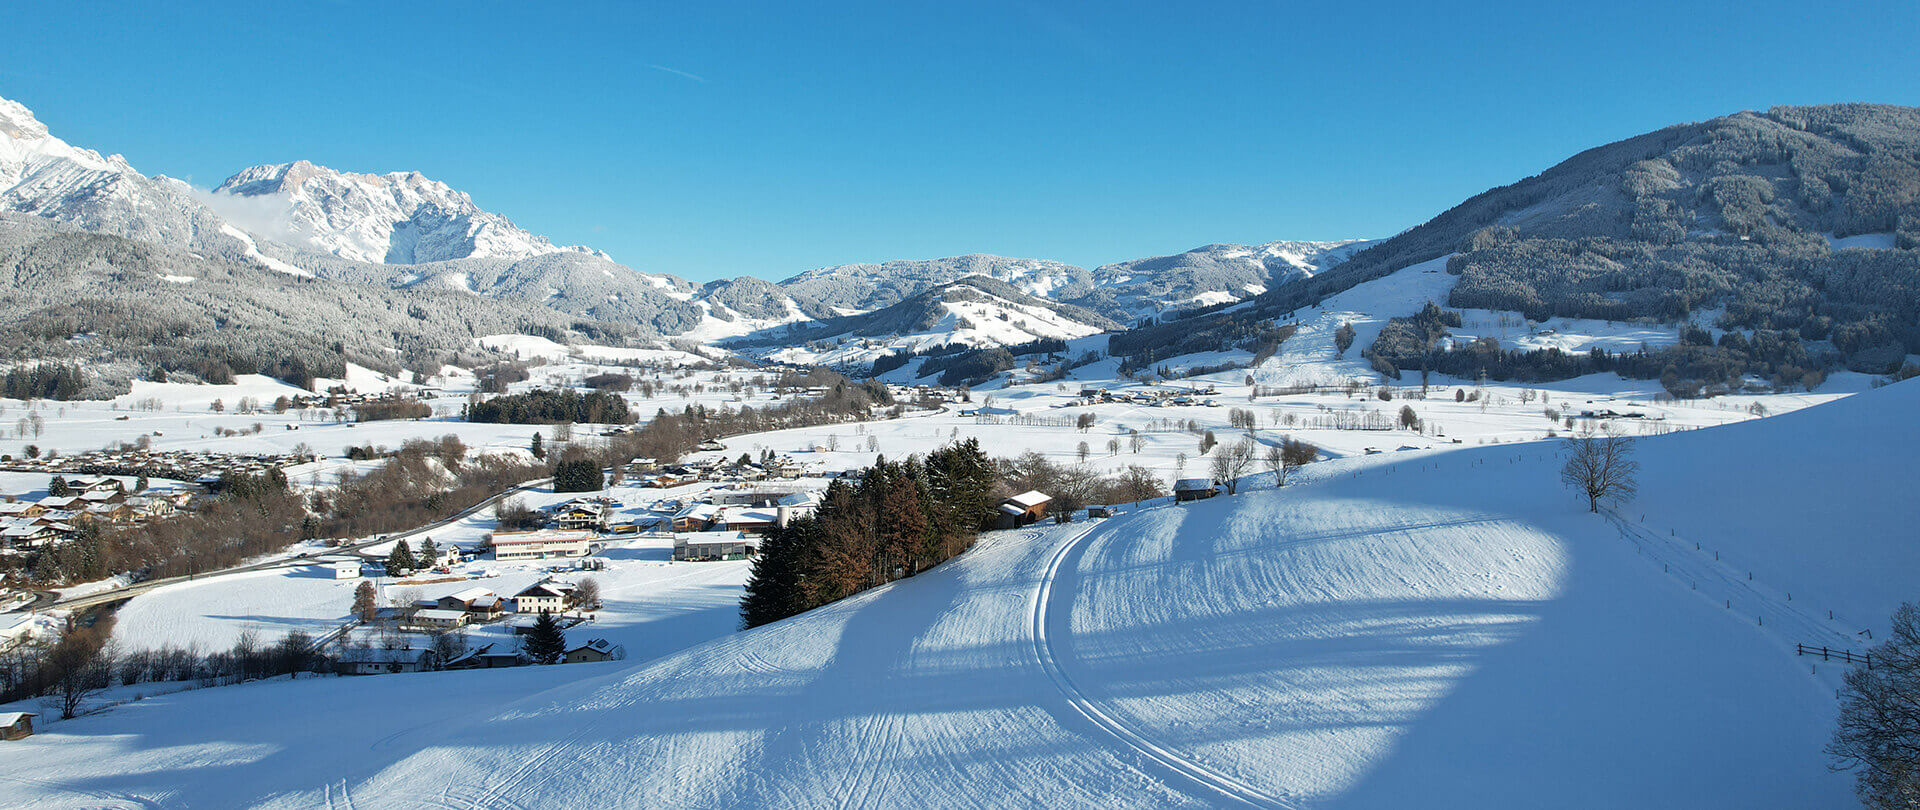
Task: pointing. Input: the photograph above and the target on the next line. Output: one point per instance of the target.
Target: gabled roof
(542, 589)
(1193, 483)
(9, 718)
(1031, 498)
(471, 595)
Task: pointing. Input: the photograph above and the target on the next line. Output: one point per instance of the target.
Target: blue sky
(722, 139)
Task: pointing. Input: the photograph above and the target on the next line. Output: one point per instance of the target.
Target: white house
(549, 596)
(345, 570)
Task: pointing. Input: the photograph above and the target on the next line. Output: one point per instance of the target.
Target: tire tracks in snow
(1179, 767)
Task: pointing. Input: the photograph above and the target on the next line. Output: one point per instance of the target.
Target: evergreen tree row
(547, 406)
(901, 518)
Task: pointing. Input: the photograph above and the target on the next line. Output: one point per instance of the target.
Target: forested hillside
(1801, 224)
(135, 308)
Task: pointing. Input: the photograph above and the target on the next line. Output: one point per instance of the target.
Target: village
(657, 559)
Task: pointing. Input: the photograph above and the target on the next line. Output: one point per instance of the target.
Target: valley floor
(1436, 629)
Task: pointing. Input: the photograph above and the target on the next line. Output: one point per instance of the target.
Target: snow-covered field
(1337, 643)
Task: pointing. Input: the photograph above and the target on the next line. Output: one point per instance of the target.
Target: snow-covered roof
(541, 536)
(1193, 483)
(471, 595)
(379, 656)
(1031, 498)
(435, 614)
(9, 718)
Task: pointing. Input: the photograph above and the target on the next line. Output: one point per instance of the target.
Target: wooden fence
(1828, 654)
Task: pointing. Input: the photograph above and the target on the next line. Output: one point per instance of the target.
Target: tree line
(547, 406)
(896, 520)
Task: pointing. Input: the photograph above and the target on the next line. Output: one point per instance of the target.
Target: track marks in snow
(1163, 759)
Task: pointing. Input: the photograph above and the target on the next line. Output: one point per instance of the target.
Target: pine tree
(773, 588)
(400, 560)
(545, 643)
(429, 553)
(539, 447)
(364, 605)
(58, 487)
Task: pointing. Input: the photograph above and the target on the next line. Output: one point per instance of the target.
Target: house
(369, 661)
(756, 521)
(696, 517)
(438, 619)
(16, 725)
(710, 546)
(542, 544)
(642, 465)
(109, 513)
(345, 570)
(710, 445)
(762, 495)
(549, 596)
(582, 514)
(102, 484)
(1023, 508)
(595, 651)
(485, 657)
(1193, 489)
(21, 509)
(16, 628)
(100, 496)
(478, 603)
(147, 507)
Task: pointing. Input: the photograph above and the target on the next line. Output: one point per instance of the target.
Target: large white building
(542, 545)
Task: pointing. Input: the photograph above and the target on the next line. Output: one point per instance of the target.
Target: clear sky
(712, 139)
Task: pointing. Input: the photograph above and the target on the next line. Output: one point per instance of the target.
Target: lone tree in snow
(1601, 466)
(364, 605)
(586, 594)
(545, 642)
(1232, 462)
(1878, 736)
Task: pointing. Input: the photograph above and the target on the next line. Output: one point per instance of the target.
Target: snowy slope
(974, 311)
(1433, 630)
(1213, 274)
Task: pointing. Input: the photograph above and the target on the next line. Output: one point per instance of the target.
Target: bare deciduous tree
(1601, 466)
(1878, 736)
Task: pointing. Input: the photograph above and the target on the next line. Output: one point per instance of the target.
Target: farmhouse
(1024, 508)
(478, 603)
(542, 545)
(16, 725)
(594, 651)
(438, 619)
(1193, 489)
(369, 661)
(547, 596)
(484, 657)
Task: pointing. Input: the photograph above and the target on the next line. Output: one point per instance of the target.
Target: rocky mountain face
(866, 287)
(47, 177)
(404, 231)
(395, 218)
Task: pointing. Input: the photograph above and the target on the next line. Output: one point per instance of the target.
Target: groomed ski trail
(1180, 769)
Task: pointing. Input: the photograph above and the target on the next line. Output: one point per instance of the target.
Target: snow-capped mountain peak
(393, 218)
